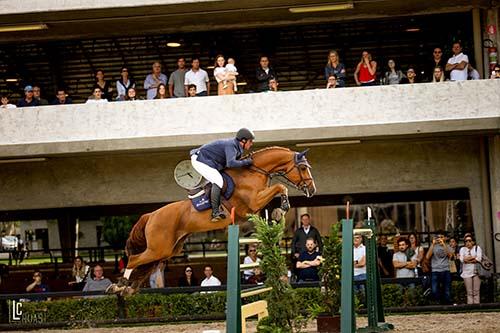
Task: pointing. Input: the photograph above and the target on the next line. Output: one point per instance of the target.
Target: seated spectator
(495, 74)
(5, 103)
(384, 258)
(366, 70)
(98, 282)
(469, 255)
(263, 74)
(37, 96)
(439, 253)
(411, 76)
(161, 92)
(153, 80)
(132, 95)
(209, 279)
(273, 84)
(62, 98)
(308, 262)
(28, 99)
(336, 68)
(457, 64)
(37, 286)
(438, 75)
(188, 279)
(105, 86)
(191, 90)
(124, 84)
(253, 275)
(80, 272)
(97, 96)
(157, 278)
(472, 73)
(332, 82)
(405, 262)
(392, 75)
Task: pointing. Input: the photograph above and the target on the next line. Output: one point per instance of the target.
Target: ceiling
(209, 16)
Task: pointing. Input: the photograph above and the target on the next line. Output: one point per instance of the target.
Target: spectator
(457, 64)
(221, 76)
(96, 96)
(123, 262)
(411, 76)
(472, 73)
(308, 262)
(124, 84)
(437, 61)
(495, 74)
(132, 95)
(469, 255)
(36, 95)
(161, 92)
(191, 90)
(332, 82)
(263, 74)
(61, 98)
(209, 280)
(366, 70)
(28, 99)
(157, 278)
(232, 72)
(438, 254)
(385, 256)
(98, 282)
(359, 258)
(37, 286)
(105, 86)
(404, 262)
(188, 279)
(153, 80)
(336, 68)
(438, 74)
(253, 275)
(419, 251)
(303, 233)
(176, 81)
(80, 272)
(5, 103)
(393, 75)
(198, 77)
(273, 85)
(455, 257)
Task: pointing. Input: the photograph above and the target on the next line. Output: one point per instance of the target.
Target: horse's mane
(263, 150)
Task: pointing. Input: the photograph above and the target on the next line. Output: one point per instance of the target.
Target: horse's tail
(136, 242)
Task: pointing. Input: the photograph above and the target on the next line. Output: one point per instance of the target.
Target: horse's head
(300, 174)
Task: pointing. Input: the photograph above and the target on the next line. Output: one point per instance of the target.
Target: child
(231, 72)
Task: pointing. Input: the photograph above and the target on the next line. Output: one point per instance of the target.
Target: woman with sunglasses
(188, 280)
(252, 276)
(471, 254)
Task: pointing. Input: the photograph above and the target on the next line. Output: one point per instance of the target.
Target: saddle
(200, 196)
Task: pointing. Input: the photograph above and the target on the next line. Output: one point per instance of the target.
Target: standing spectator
(124, 84)
(96, 97)
(438, 254)
(198, 77)
(253, 275)
(385, 256)
(332, 82)
(220, 74)
(132, 95)
(336, 68)
(176, 81)
(438, 75)
(80, 272)
(437, 61)
(161, 92)
(157, 278)
(303, 233)
(419, 251)
(28, 99)
(495, 74)
(263, 74)
(366, 70)
(273, 85)
(191, 90)
(308, 262)
(411, 76)
(37, 286)
(99, 282)
(153, 80)
(359, 258)
(188, 279)
(455, 266)
(5, 103)
(469, 255)
(105, 86)
(393, 75)
(404, 262)
(209, 280)
(36, 95)
(457, 64)
(61, 98)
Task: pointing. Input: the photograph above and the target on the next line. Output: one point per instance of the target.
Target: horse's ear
(302, 154)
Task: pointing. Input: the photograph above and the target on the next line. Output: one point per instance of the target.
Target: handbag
(484, 267)
(453, 266)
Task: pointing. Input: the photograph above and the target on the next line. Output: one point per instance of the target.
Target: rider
(214, 157)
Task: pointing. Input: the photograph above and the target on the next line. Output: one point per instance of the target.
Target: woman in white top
(471, 254)
(96, 97)
(253, 275)
(224, 85)
(124, 84)
(80, 272)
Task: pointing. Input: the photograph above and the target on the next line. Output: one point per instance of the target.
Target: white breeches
(210, 174)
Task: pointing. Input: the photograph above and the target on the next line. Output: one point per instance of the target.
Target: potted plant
(328, 313)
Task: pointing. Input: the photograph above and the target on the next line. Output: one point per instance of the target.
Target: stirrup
(216, 217)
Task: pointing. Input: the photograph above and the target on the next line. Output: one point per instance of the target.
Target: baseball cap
(28, 88)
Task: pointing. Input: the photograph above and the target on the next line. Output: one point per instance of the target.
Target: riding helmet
(245, 134)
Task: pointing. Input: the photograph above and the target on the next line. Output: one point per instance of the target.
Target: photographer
(439, 254)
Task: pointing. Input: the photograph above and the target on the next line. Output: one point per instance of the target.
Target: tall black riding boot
(217, 213)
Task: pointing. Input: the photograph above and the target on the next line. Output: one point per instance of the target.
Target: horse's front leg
(265, 196)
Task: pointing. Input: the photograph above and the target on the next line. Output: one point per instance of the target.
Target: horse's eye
(303, 168)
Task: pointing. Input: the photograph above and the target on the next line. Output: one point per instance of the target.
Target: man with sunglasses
(437, 61)
(439, 254)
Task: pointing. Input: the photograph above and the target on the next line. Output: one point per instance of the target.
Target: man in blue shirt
(308, 262)
(214, 157)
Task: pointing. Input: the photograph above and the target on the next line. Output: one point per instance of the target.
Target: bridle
(282, 175)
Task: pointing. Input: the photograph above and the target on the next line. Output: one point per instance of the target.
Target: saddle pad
(201, 201)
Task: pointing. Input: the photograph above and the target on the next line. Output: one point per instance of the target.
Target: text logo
(16, 311)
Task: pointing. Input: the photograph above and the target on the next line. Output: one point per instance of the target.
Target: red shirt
(364, 74)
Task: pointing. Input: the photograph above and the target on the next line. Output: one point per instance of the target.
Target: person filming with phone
(439, 253)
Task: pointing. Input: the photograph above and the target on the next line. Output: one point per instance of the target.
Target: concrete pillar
(478, 41)
(66, 225)
(494, 164)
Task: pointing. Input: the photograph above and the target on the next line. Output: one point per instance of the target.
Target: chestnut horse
(160, 235)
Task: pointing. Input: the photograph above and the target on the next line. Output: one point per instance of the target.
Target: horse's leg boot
(217, 213)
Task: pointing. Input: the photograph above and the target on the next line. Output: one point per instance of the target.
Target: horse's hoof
(123, 282)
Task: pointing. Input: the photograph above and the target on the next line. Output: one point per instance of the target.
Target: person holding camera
(439, 253)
